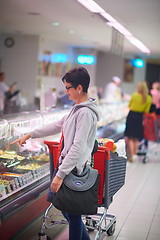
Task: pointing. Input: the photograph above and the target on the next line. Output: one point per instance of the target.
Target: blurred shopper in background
(113, 92)
(155, 92)
(8, 96)
(139, 103)
(93, 93)
(100, 93)
(3, 89)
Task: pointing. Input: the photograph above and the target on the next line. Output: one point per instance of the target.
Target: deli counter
(25, 171)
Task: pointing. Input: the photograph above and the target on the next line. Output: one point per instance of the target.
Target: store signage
(138, 63)
(86, 59)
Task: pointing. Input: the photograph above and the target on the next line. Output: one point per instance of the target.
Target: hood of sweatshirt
(92, 104)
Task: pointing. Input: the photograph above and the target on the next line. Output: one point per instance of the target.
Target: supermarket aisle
(136, 205)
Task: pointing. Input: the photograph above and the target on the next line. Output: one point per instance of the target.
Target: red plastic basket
(149, 121)
(100, 158)
(54, 154)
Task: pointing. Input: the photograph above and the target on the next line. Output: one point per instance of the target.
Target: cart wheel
(111, 230)
(144, 159)
(48, 238)
(90, 224)
(43, 236)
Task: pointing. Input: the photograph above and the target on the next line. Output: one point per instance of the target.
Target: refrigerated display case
(25, 171)
(24, 174)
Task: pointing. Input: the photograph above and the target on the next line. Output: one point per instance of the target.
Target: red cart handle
(50, 144)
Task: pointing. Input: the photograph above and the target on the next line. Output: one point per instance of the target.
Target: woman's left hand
(56, 183)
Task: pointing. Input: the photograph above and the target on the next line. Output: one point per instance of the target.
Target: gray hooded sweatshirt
(79, 129)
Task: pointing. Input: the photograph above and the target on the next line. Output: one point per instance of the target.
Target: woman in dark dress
(139, 103)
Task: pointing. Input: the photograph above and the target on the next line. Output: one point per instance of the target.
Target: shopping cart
(151, 124)
(112, 170)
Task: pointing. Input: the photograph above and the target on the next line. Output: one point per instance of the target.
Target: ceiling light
(91, 6)
(119, 28)
(108, 17)
(71, 31)
(138, 44)
(95, 8)
(55, 23)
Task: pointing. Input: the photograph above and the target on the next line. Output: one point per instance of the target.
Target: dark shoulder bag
(78, 194)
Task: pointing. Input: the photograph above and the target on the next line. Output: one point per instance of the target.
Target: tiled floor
(136, 205)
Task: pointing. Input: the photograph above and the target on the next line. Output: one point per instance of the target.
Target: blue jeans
(77, 229)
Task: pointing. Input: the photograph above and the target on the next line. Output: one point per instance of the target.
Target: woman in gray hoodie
(79, 132)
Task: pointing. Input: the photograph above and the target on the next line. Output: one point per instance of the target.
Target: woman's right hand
(22, 140)
(56, 183)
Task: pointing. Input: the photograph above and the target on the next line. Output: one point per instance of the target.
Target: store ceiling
(140, 17)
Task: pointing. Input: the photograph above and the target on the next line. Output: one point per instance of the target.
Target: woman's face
(71, 91)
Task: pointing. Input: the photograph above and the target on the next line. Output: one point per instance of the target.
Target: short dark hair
(78, 76)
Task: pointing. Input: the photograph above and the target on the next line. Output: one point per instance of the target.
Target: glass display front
(21, 167)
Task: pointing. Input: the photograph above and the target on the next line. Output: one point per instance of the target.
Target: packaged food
(109, 143)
